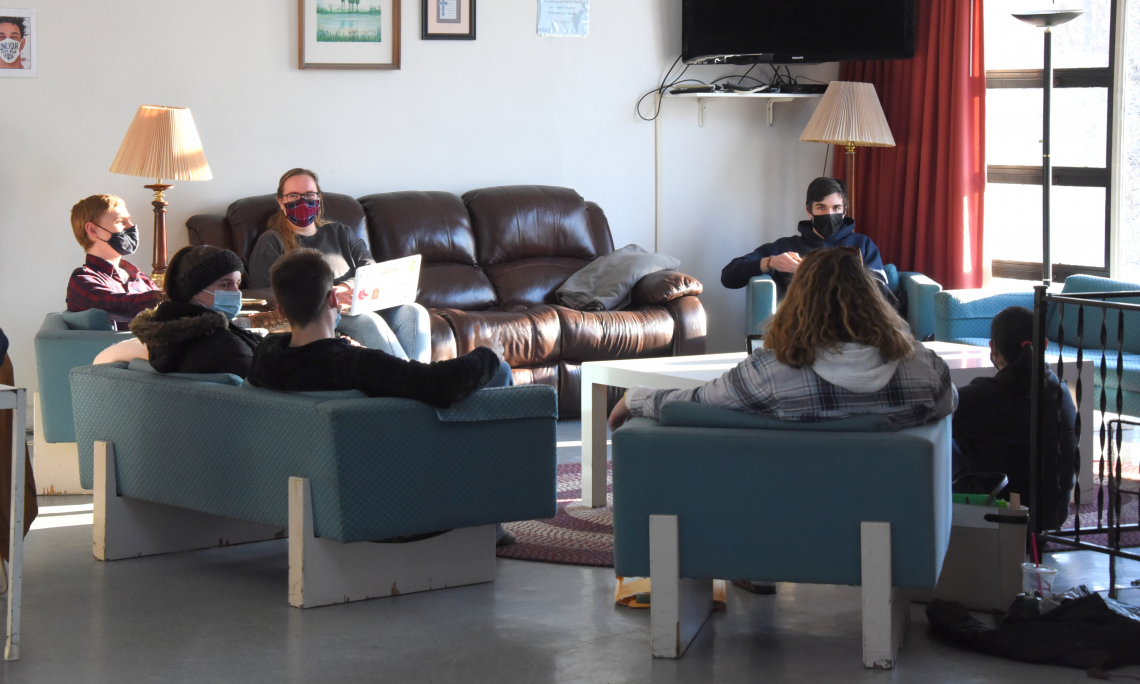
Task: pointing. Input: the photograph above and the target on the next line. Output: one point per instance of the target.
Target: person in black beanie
(192, 331)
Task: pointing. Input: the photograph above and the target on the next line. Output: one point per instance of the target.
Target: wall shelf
(772, 98)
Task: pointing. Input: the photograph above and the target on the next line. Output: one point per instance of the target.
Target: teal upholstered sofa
(375, 468)
(964, 316)
(760, 300)
(760, 499)
(64, 341)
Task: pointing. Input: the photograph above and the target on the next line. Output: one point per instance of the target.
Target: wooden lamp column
(162, 142)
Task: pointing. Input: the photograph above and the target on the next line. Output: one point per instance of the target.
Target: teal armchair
(760, 300)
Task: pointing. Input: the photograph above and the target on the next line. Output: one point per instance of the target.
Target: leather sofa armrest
(209, 229)
(664, 286)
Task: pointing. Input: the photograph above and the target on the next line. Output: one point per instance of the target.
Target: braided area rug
(578, 535)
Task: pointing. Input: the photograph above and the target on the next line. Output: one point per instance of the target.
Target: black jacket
(738, 271)
(188, 338)
(334, 364)
(991, 428)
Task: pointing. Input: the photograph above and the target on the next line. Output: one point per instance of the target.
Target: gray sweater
(342, 249)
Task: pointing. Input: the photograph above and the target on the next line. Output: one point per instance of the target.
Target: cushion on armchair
(692, 414)
(91, 319)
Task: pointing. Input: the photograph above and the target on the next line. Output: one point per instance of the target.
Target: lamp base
(158, 274)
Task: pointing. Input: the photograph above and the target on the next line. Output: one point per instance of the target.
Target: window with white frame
(1083, 56)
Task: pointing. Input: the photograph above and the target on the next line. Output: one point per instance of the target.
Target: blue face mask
(227, 303)
(337, 320)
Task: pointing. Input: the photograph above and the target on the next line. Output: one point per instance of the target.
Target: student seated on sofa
(192, 332)
(827, 225)
(991, 425)
(402, 331)
(103, 227)
(835, 348)
(313, 358)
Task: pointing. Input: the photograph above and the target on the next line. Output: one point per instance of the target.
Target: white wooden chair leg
(886, 609)
(55, 464)
(680, 605)
(324, 571)
(129, 528)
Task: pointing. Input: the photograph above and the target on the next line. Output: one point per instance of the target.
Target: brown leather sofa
(492, 261)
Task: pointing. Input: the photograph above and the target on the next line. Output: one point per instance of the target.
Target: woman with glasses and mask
(402, 331)
(193, 331)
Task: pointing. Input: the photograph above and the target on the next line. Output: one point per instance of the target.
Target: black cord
(662, 88)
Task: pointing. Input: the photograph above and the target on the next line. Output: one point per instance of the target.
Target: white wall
(510, 107)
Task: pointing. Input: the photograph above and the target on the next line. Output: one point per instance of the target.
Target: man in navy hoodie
(827, 226)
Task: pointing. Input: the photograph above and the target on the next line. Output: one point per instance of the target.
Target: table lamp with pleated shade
(849, 115)
(161, 142)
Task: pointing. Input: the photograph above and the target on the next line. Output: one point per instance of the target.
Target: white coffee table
(687, 372)
(15, 398)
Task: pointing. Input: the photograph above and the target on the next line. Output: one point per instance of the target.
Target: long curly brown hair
(833, 300)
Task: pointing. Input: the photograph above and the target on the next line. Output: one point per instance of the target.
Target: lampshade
(162, 143)
(849, 114)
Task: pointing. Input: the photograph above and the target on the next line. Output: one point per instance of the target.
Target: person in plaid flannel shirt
(835, 348)
(102, 226)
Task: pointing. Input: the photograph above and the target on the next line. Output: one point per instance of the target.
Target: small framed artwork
(348, 34)
(17, 43)
(448, 20)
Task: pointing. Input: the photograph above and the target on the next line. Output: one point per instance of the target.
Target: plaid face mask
(302, 212)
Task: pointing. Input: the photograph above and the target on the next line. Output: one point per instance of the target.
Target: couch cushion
(434, 225)
(1076, 284)
(641, 332)
(249, 218)
(691, 414)
(442, 339)
(529, 221)
(454, 286)
(531, 281)
(91, 319)
(529, 335)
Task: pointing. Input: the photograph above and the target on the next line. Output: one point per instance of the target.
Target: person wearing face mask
(103, 227)
(192, 332)
(13, 38)
(402, 331)
(826, 226)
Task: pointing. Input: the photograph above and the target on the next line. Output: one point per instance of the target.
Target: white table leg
(16, 527)
(593, 441)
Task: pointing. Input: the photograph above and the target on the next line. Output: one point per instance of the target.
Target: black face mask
(826, 224)
(126, 242)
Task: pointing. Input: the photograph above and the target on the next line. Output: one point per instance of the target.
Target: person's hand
(351, 341)
(343, 296)
(787, 262)
(496, 345)
(619, 415)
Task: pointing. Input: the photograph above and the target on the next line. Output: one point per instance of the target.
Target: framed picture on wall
(448, 20)
(348, 34)
(18, 43)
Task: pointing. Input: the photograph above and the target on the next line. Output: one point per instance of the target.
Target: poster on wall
(348, 34)
(567, 18)
(17, 43)
(448, 20)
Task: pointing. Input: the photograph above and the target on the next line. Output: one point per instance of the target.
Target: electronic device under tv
(796, 31)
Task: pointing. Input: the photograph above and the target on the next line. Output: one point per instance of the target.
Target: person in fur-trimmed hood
(192, 332)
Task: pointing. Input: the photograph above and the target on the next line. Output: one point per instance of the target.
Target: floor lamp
(161, 142)
(849, 115)
(1047, 19)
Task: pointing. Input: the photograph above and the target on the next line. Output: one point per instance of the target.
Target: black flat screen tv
(795, 31)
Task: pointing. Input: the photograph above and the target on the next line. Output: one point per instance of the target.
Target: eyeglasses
(310, 196)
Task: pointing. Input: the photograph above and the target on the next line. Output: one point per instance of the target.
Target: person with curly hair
(835, 348)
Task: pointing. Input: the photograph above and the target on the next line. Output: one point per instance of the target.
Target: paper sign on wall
(564, 18)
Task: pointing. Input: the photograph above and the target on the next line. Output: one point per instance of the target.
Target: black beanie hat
(192, 269)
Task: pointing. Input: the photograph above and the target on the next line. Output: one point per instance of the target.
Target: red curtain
(921, 201)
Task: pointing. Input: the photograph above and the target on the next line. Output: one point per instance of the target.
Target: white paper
(568, 18)
(25, 65)
(386, 284)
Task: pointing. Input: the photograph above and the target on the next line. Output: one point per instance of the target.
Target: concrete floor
(221, 615)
